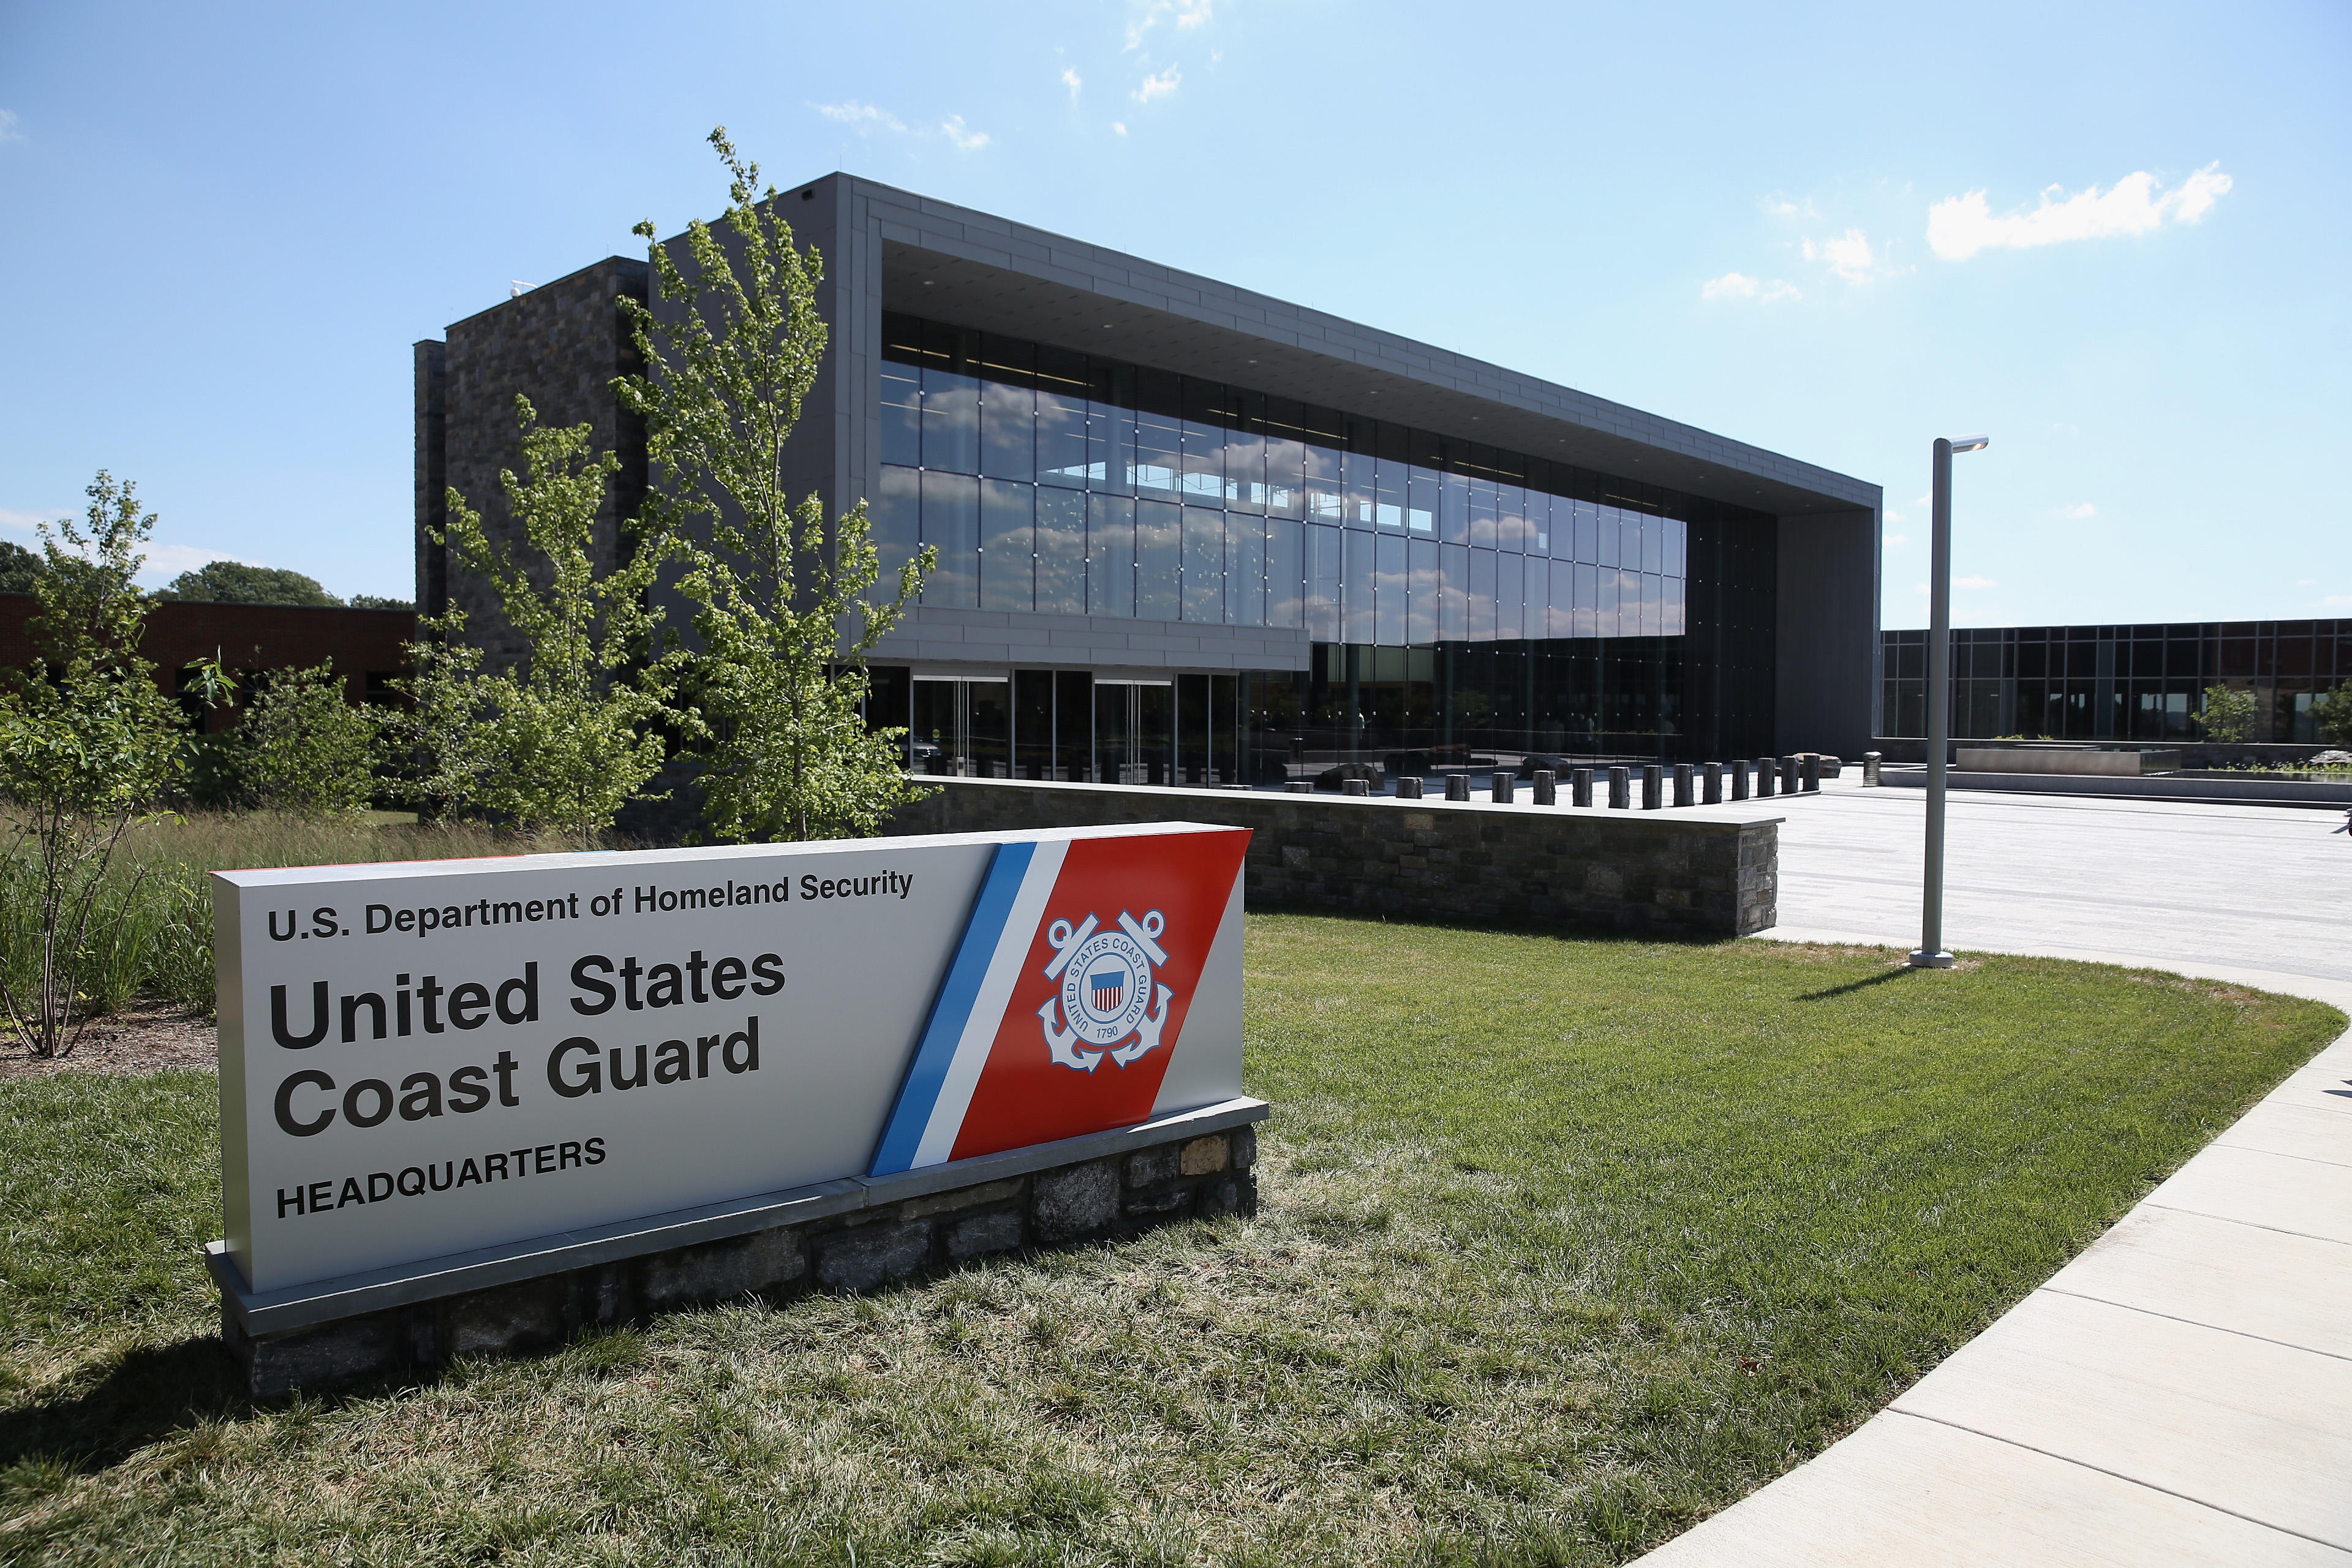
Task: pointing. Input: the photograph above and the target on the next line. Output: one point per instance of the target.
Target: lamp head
(1970, 443)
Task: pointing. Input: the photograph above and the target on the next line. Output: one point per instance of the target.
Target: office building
(2119, 682)
(1195, 534)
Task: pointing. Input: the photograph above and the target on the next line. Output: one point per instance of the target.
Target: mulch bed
(141, 1038)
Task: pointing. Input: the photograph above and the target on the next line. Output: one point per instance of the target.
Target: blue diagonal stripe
(951, 1011)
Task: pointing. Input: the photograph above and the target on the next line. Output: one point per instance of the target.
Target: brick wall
(1716, 874)
(247, 637)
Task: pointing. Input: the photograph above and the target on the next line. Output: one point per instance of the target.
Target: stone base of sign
(850, 1235)
(1702, 871)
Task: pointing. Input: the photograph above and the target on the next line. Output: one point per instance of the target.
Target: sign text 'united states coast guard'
(424, 1059)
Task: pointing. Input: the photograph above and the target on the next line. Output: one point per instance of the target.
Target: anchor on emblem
(1110, 1002)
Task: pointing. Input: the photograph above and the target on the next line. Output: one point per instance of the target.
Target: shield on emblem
(1107, 989)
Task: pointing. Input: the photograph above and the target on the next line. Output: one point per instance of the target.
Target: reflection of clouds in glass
(1240, 514)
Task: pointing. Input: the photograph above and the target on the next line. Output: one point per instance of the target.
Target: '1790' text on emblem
(1108, 1004)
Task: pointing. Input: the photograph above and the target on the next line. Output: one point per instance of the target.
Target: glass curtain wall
(2117, 683)
(1471, 598)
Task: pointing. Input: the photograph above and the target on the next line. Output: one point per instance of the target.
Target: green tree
(18, 568)
(574, 731)
(783, 612)
(303, 748)
(234, 583)
(2333, 714)
(2228, 715)
(439, 741)
(86, 741)
(378, 601)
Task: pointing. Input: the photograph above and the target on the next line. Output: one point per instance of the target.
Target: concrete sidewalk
(2182, 1392)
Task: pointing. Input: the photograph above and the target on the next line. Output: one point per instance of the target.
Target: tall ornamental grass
(150, 929)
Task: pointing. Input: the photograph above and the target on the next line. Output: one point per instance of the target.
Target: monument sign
(422, 1059)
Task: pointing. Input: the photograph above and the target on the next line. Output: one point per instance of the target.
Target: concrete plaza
(2182, 1392)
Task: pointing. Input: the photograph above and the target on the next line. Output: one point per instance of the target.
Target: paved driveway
(2182, 1392)
(2265, 888)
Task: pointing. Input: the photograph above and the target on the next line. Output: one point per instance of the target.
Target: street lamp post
(1931, 953)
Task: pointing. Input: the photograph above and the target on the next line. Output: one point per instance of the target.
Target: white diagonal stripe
(988, 1007)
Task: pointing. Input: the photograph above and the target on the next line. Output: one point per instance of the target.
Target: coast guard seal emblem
(1109, 1004)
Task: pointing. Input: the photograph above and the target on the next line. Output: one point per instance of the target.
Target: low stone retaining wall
(2051, 759)
(1713, 870)
(850, 1235)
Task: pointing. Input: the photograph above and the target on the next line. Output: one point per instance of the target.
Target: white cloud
(1849, 255)
(1974, 582)
(1157, 85)
(1959, 226)
(2306, 582)
(1185, 14)
(8, 131)
(165, 562)
(1741, 286)
(1781, 207)
(866, 119)
(1897, 517)
(1070, 80)
(1898, 539)
(860, 116)
(1120, 126)
(26, 521)
(2079, 513)
(2337, 601)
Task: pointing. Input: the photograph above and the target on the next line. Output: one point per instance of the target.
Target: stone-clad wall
(561, 345)
(1662, 871)
(1192, 1177)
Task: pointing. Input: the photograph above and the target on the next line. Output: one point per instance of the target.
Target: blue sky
(2115, 238)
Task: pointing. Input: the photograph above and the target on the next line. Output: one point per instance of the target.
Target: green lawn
(1565, 1244)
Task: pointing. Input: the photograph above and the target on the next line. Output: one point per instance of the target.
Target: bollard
(1545, 787)
(1457, 786)
(1765, 772)
(1579, 786)
(1355, 786)
(1621, 792)
(1506, 787)
(1870, 761)
(1682, 783)
(1409, 786)
(1711, 787)
(1739, 778)
(1300, 786)
(1811, 773)
(1789, 774)
(1653, 792)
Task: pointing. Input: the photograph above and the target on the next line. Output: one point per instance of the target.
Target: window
(1204, 564)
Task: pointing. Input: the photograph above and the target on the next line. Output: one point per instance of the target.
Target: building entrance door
(1134, 721)
(963, 727)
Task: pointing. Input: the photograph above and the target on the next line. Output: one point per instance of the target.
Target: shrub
(88, 740)
(2333, 714)
(302, 748)
(2228, 716)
